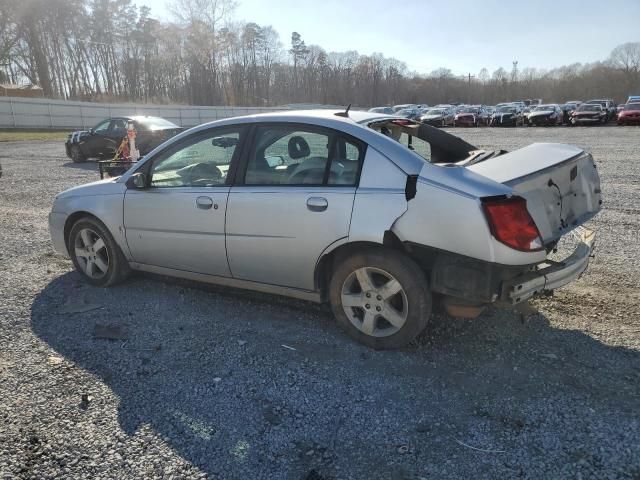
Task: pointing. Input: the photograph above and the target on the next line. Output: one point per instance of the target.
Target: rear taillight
(511, 224)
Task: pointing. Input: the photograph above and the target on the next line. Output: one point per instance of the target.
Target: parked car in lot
(330, 206)
(608, 106)
(506, 115)
(471, 116)
(438, 117)
(397, 108)
(103, 140)
(589, 114)
(410, 113)
(526, 112)
(630, 114)
(567, 109)
(385, 110)
(547, 115)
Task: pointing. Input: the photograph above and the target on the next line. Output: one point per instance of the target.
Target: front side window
(294, 155)
(200, 161)
(102, 127)
(118, 125)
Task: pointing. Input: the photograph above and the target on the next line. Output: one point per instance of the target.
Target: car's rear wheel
(76, 154)
(380, 298)
(95, 254)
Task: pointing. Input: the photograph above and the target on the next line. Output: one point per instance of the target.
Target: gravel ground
(201, 386)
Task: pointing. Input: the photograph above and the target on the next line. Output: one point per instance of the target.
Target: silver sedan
(370, 212)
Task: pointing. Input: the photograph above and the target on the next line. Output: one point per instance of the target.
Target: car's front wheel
(76, 154)
(380, 297)
(95, 254)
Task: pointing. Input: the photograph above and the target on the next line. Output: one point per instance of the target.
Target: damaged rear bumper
(549, 276)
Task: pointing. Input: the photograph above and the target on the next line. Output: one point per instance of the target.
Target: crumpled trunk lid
(560, 183)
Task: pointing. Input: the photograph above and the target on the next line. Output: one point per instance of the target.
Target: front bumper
(586, 120)
(435, 122)
(470, 121)
(622, 120)
(56, 230)
(504, 122)
(551, 275)
(542, 120)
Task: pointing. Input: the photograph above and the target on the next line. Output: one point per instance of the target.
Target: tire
(386, 271)
(76, 154)
(95, 254)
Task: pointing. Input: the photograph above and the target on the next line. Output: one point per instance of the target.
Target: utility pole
(469, 76)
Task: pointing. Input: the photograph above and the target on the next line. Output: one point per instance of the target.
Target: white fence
(44, 113)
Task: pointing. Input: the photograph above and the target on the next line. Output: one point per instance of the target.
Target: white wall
(44, 113)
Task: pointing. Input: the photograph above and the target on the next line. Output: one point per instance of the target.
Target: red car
(629, 114)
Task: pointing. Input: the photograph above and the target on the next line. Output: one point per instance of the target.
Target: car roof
(354, 124)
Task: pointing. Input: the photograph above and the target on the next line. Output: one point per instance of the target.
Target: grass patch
(17, 135)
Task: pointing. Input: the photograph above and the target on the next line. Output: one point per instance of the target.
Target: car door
(293, 199)
(178, 221)
(95, 143)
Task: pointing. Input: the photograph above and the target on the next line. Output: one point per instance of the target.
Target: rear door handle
(205, 203)
(317, 204)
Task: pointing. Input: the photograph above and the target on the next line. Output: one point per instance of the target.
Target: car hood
(77, 134)
(432, 117)
(109, 186)
(541, 112)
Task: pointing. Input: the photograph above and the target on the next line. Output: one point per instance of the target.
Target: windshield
(544, 107)
(589, 108)
(506, 109)
(435, 112)
(470, 110)
(632, 106)
(155, 122)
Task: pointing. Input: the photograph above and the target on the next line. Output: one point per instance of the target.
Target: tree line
(113, 50)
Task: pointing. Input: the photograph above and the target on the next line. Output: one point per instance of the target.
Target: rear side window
(302, 155)
(417, 145)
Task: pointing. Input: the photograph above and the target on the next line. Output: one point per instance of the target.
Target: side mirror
(137, 181)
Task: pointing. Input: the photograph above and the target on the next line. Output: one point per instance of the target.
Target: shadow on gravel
(89, 165)
(251, 386)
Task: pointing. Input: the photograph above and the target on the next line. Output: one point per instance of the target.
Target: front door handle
(317, 204)
(205, 203)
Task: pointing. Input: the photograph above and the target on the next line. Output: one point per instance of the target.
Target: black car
(507, 116)
(567, 109)
(103, 140)
(548, 115)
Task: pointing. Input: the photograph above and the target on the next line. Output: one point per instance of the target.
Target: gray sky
(463, 35)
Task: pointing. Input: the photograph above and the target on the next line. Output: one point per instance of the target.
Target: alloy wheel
(92, 254)
(374, 302)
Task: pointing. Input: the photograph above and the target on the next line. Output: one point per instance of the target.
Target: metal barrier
(18, 112)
